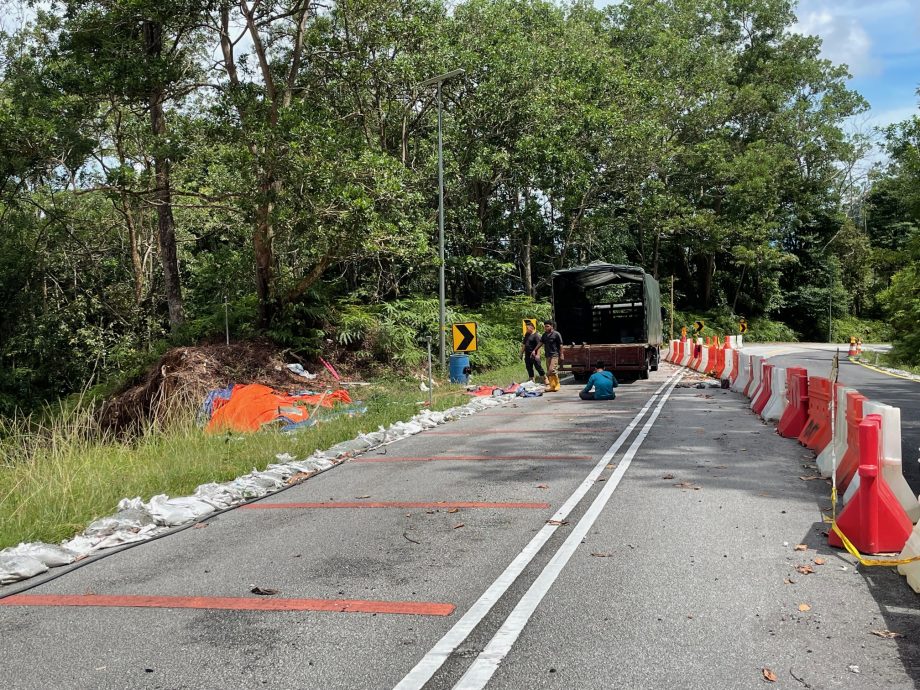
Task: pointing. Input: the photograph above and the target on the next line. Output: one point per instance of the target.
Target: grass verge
(57, 474)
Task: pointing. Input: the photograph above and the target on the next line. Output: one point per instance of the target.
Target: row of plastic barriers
(856, 440)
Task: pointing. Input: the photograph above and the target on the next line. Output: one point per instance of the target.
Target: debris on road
(801, 547)
(887, 634)
(408, 538)
(768, 675)
(557, 523)
(263, 591)
(805, 569)
(459, 525)
(804, 607)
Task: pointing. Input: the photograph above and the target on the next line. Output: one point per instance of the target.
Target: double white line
(489, 659)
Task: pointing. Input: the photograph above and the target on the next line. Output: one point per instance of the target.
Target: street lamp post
(438, 81)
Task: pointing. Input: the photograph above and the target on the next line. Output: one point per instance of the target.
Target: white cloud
(844, 40)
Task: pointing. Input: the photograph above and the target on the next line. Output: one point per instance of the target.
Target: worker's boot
(553, 382)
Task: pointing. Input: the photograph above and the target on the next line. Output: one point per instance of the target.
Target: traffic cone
(852, 351)
(874, 521)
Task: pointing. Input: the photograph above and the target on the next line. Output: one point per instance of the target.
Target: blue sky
(880, 41)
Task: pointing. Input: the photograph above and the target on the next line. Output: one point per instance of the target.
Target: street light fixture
(438, 80)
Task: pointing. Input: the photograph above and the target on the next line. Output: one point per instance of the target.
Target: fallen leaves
(768, 675)
(557, 523)
(804, 569)
(788, 581)
(810, 478)
(887, 634)
(459, 525)
(804, 607)
(299, 477)
(602, 555)
(687, 485)
(801, 547)
(263, 591)
(368, 496)
(454, 510)
(820, 561)
(668, 476)
(542, 486)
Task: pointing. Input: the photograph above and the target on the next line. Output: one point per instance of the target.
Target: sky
(880, 42)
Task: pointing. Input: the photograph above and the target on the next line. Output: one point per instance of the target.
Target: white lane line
(437, 655)
(499, 646)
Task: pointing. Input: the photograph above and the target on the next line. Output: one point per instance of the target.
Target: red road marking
(395, 504)
(544, 430)
(425, 458)
(416, 608)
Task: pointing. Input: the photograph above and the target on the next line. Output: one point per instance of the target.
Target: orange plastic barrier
(793, 420)
(766, 389)
(712, 345)
(873, 521)
(816, 433)
(849, 463)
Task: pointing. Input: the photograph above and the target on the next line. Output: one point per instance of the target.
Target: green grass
(886, 359)
(57, 474)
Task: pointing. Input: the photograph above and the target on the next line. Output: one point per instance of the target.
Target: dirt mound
(182, 377)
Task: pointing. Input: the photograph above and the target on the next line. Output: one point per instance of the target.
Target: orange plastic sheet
(253, 405)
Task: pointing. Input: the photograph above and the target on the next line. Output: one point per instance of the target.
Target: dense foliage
(165, 162)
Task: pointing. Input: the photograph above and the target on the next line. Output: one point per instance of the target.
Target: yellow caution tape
(848, 545)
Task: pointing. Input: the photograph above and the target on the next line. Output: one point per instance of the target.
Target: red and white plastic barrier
(873, 521)
(837, 447)
(891, 464)
(776, 405)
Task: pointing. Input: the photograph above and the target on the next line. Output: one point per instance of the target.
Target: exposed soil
(183, 376)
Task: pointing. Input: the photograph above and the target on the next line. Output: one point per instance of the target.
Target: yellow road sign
(464, 336)
(524, 324)
(698, 327)
(743, 327)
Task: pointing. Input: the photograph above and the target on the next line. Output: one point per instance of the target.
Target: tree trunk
(656, 254)
(263, 249)
(166, 226)
(709, 271)
(527, 244)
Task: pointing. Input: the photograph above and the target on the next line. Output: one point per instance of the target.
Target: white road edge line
(437, 655)
(487, 663)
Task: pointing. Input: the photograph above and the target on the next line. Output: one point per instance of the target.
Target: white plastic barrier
(688, 352)
(756, 382)
(744, 373)
(911, 550)
(776, 405)
(704, 362)
(835, 450)
(890, 456)
(729, 358)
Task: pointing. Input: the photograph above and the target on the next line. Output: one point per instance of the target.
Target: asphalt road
(883, 388)
(672, 565)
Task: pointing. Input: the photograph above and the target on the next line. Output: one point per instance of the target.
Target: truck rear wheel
(653, 366)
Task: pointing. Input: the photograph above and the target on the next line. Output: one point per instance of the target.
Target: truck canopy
(607, 304)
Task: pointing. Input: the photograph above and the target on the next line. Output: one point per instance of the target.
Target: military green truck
(610, 313)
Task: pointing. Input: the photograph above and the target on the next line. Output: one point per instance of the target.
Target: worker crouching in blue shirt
(603, 382)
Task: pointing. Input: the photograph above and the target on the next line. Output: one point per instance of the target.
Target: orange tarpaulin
(253, 405)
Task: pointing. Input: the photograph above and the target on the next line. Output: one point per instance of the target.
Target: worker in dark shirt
(529, 345)
(551, 342)
(603, 382)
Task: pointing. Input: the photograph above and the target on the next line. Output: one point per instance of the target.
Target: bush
(722, 323)
(869, 330)
(395, 333)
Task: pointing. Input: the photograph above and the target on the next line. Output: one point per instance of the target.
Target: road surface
(647, 542)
